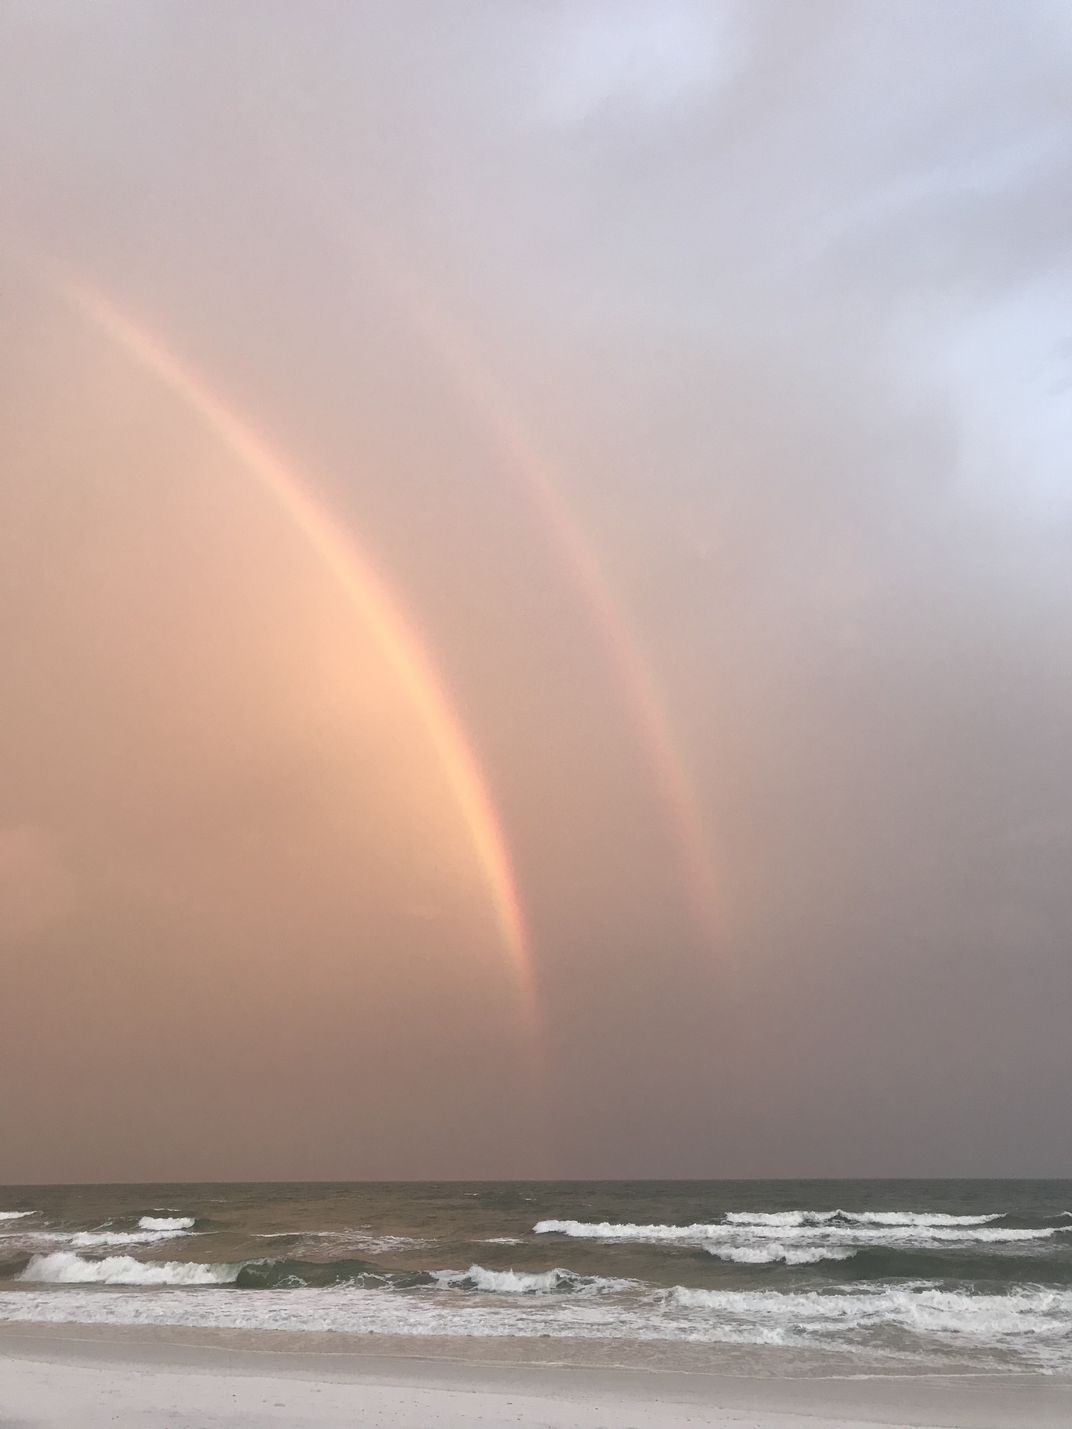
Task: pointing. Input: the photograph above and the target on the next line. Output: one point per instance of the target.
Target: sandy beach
(73, 1376)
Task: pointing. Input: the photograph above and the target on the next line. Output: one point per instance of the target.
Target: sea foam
(914, 1218)
(614, 1230)
(167, 1223)
(1033, 1324)
(89, 1240)
(780, 1218)
(64, 1267)
(773, 1252)
(915, 1233)
(954, 1315)
(517, 1282)
(877, 1218)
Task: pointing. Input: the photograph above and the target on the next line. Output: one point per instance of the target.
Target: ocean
(838, 1276)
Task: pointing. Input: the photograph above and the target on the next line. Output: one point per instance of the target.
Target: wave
(916, 1218)
(614, 1230)
(877, 1218)
(950, 1314)
(517, 1282)
(384, 1244)
(1029, 1328)
(893, 1235)
(15, 1215)
(824, 1233)
(291, 1274)
(320, 1274)
(64, 1267)
(167, 1223)
(958, 1264)
(88, 1240)
(359, 1240)
(780, 1218)
(69, 1268)
(773, 1252)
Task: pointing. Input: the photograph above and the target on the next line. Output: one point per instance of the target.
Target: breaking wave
(824, 1232)
(517, 1282)
(69, 1268)
(64, 1267)
(88, 1240)
(1031, 1326)
(877, 1218)
(920, 1288)
(292, 1274)
(913, 1218)
(313, 1274)
(773, 1252)
(613, 1230)
(1032, 1311)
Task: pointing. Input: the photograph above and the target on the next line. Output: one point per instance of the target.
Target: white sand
(79, 1379)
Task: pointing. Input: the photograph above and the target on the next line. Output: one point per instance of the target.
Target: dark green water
(913, 1274)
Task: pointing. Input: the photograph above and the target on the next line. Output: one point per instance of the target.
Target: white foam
(1029, 1328)
(64, 1267)
(907, 1236)
(950, 1314)
(504, 1240)
(15, 1215)
(915, 1234)
(878, 1218)
(89, 1240)
(353, 1240)
(779, 1218)
(506, 1282)
(613, 1230)
(344, 1309)
(167, 1223)
(517, 1282)
(86, 1240)
(383, 1244)
(913, 1218)
(773, 1253)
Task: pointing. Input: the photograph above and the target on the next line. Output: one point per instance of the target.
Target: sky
(535, 589)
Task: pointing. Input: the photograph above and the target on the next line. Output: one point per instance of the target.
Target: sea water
(894, 1276)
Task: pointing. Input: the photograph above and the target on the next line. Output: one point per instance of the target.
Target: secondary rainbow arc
(536, 474)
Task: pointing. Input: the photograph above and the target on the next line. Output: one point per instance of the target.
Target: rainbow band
(483, 395)
(365, 591)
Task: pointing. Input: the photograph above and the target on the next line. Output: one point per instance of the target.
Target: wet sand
(72, 1375)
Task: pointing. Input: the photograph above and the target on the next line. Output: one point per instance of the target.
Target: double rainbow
(357, 579)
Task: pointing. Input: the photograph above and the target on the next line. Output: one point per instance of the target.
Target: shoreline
(93, 1375)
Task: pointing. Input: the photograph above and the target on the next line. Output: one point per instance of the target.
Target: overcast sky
(698, 379)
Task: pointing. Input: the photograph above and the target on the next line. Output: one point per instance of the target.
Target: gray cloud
(781, 296)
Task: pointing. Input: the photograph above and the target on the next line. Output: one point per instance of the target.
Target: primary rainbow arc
(365, 590)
